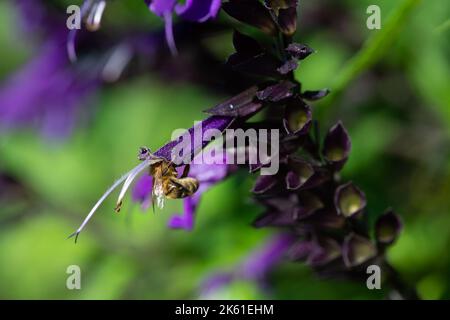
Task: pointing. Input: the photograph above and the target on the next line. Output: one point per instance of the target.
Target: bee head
(144, 153)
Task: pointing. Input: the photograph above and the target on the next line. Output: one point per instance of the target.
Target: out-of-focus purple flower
(46, 91)
(256, 267)
(142, 191)
(49, 91)
(36, 18)
(260, 262)
(191, 10)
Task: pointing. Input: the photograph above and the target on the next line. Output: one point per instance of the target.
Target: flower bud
(297, 118)
(299, 173)
(356, 250)
(337, 146)
(388, 227)
(349, 200)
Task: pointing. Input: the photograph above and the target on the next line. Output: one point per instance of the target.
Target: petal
(142, 189)
(213, 122)
(198, 10)
(288, 66)
(161, 7)
(185, 221)
(299, 51)
(240, 105)
(277, 92)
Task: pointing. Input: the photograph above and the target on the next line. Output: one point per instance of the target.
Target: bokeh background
(391, 88)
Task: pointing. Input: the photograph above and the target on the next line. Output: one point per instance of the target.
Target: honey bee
(166, 183)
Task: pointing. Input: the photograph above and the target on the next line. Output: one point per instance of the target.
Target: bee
(165, 182)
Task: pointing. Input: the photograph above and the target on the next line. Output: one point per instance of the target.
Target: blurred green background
(391, 89)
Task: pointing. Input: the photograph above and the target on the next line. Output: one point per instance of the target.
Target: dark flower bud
(349, 200)
(337, 146)
(299, 173)
(287, 21)
(251, 12)
(299, 51)
(388, 227)
(356, 250)
(297, 118)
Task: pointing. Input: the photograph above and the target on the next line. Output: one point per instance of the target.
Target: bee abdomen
(181, 188)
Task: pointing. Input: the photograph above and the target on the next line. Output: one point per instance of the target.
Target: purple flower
(191, 10)
(46, 91)
(142, 191)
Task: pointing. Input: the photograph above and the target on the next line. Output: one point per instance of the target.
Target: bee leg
(185, 171)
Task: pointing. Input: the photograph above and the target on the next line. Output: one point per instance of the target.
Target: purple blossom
(142, 191)
(46, 91)
(191, 10)
(51, 90)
